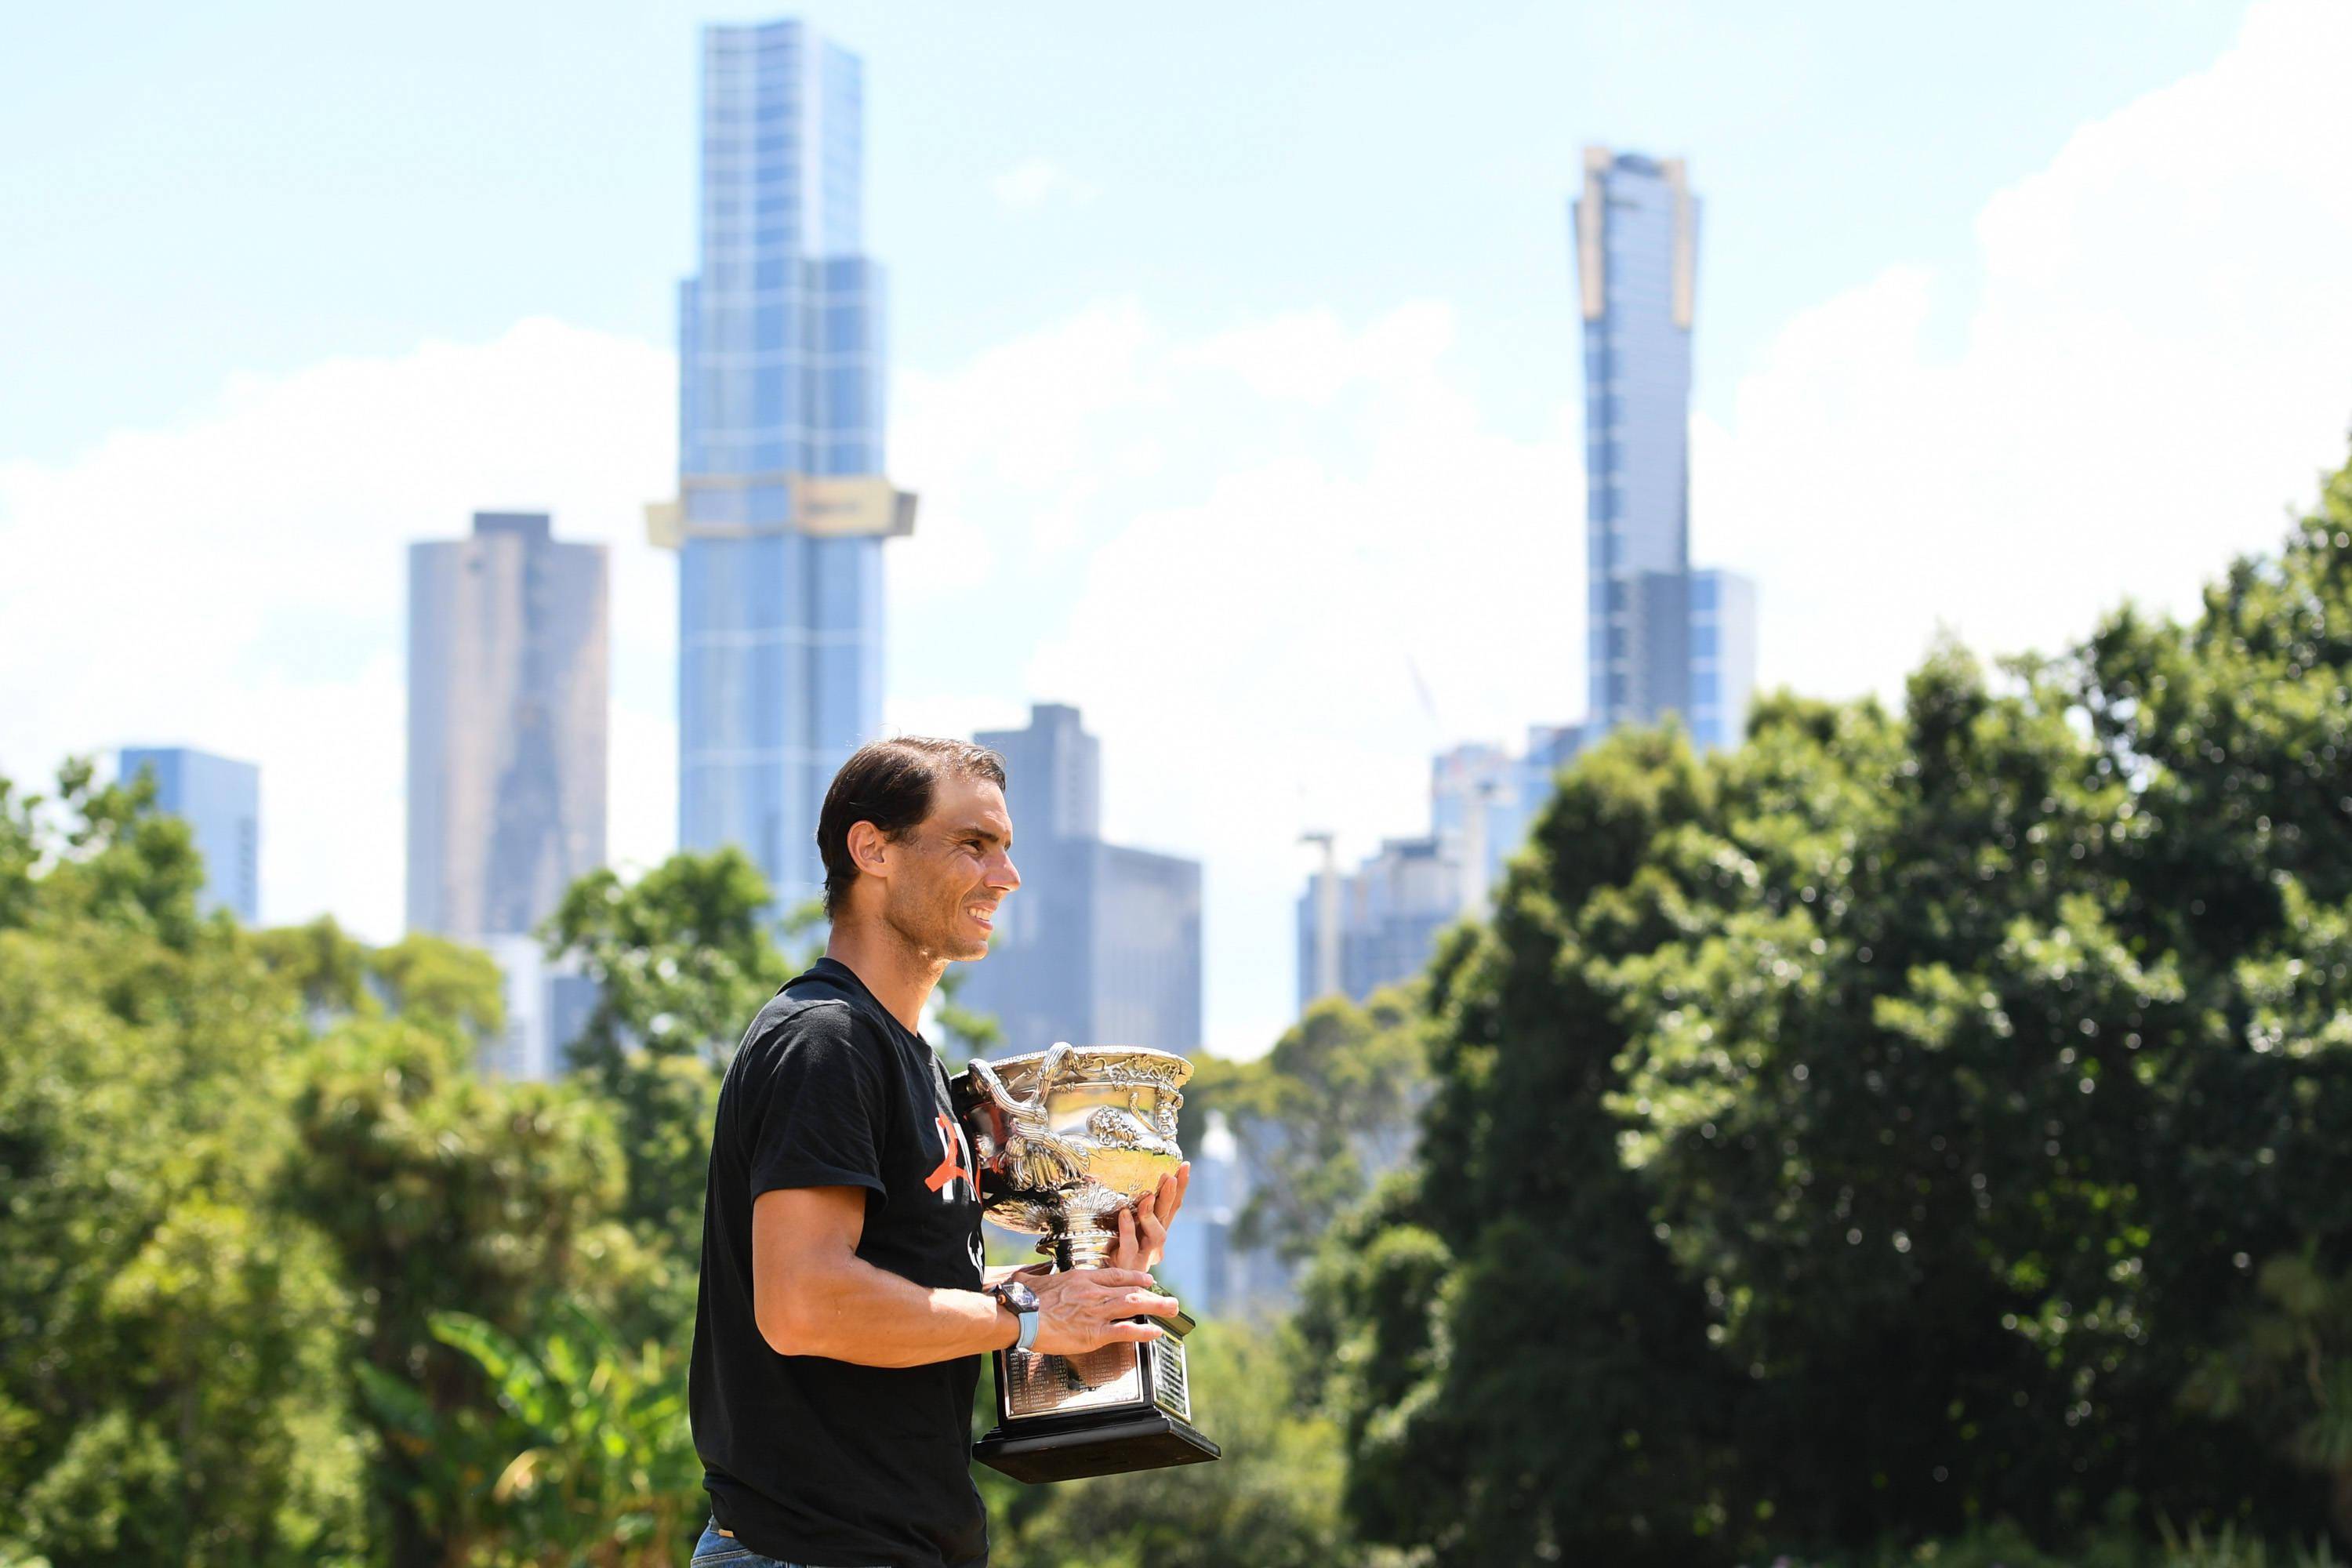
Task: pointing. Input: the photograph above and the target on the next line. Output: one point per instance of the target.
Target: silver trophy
(1064, 1139)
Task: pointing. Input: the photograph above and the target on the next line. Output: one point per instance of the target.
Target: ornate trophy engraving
(1064, 1139)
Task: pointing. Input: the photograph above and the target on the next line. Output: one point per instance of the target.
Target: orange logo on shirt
(951, 1156)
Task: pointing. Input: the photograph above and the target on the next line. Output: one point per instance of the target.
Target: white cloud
(2156, 361)
(238, 580)
(1033, 182)
(1239, 557)
(1243, 554)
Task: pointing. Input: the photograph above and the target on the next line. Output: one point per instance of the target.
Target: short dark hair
(889, 785)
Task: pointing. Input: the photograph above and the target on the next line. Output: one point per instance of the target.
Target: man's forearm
(848, 1309)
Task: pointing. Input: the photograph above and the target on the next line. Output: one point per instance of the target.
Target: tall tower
(781, 506)
(1637, 264)
(506, 683)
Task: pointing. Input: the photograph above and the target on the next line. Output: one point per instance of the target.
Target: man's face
(951, 870)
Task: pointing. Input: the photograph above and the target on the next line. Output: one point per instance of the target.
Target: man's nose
(1006, 876)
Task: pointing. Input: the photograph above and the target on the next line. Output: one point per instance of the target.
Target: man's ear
(869, 851)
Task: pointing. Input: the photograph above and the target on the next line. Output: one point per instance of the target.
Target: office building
(1636, 243)
(782, 505)
(507, 751)
(1389, 911)
(1101, 944)
(548, 1003)
(220, 800)
(507, 681)
(1722, 658)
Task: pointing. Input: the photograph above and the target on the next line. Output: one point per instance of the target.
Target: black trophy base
(1109, 1443)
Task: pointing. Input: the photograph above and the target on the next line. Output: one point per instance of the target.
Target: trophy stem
(1085, 1247)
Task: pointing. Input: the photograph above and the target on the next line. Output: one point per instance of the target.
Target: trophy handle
(996, 1089)
(1050, 1070)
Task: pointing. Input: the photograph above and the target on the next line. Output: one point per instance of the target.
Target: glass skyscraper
(781, 506)
(1636, 231)
(220, 800)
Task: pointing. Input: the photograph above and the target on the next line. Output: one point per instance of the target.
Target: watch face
(1018, 1296)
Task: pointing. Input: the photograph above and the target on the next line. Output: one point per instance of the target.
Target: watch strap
(1024, 1315)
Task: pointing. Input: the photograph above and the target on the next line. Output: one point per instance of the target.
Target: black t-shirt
(805, 1458)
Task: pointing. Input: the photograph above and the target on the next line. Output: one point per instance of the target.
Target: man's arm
(812, 1295)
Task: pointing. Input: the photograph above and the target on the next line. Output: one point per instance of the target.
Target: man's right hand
(1086, 1309)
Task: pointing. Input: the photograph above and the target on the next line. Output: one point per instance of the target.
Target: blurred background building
(220, 800)
(507, 749)
(1102, 944)
(1661, 638)
(1388, 912)
(781, 507)
(1664, 640)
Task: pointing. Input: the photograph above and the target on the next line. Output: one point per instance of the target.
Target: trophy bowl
(1064, 1138)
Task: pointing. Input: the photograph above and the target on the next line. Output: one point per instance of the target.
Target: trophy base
(1065, 1448)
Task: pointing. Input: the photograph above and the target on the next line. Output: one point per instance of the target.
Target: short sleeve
(819, 1120)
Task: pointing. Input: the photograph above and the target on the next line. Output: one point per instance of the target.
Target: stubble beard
(929, 929)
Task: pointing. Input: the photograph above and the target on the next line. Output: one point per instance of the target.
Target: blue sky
(1235, 358)
(192, 190)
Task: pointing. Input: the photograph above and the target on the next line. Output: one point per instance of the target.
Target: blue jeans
(717, 1550)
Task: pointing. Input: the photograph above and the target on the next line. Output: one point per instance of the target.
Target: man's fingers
(1127, 1303)
(1131, 1277)
(1143, 1334)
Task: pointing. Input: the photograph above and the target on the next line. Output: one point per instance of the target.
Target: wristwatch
(1022, 1302)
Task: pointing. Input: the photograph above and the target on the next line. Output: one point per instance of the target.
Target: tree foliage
(1326, 1111)
(682, 959)
(1871, 1130)
(171, 1353)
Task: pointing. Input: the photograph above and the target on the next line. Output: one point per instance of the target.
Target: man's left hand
(1143, 1224)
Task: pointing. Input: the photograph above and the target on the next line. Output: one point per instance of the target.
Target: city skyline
(1233, 512)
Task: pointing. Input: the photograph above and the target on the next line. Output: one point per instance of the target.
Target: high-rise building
(1101, 945)
(1637, 241)
(548, 1003)
(507, 747)
(781, 506)
(1478, 802)
(1392, 909)
(507, 677)
(1722, 656)
(220, 800)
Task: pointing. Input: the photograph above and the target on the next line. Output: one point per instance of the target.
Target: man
(844, 1305)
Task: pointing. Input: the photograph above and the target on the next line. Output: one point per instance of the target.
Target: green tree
(442, 1189)
(683, 958)
(2292, 1368)
(1272, 1502)
(584, 1457)
(1867, 1131)
(1321, 1115)
(171, 1343)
